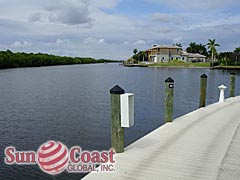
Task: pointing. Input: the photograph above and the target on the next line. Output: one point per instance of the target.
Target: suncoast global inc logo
(54, 157)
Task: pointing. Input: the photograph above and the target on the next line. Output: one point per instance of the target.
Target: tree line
(222, 58)
(9, 59)
(210, 51)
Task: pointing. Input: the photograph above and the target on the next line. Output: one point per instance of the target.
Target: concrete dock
(201, 145)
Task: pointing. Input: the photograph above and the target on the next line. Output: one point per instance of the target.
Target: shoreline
(183, 67)
(199, 65)
(57, 65)
(225, 67)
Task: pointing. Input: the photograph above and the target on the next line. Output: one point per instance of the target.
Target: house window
(182, 58)
(171, 58)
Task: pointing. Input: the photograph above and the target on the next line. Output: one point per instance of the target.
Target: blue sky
(113, 28)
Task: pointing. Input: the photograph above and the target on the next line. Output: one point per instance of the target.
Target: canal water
(71, 104)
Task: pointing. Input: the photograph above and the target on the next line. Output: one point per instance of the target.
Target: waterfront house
(192, 57)
(163, 53)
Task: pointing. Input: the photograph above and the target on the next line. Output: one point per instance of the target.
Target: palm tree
(211, 46)
(237, 50)
(135, 51)
(144, 54)
(192, 48)
(178, 44)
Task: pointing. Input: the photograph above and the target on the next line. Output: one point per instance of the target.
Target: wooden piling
(117, 132)
(168, 104)
(203, 90)
(232, 84)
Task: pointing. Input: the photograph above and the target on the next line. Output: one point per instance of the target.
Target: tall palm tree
(178, 44)
(135, 51)
(212, 47)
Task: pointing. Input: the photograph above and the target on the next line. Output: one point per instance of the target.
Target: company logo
(54, 158)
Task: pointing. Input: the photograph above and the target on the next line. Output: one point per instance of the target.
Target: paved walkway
(202, 145)
(230, 169)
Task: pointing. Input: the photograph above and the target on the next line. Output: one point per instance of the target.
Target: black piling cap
(203, 76)
(117, 90)
(169, 80)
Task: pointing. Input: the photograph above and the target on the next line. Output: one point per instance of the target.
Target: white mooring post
(221, 96)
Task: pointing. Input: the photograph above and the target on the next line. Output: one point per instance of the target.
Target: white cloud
(108, 4)
(92, 40)
(140, 43)
(63, 12)
(36, 17)
(62, 41)
(168, 18)
(101, 41)
(21, 44)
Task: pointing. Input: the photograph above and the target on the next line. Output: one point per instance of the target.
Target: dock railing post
(203, 90)
(232, 84)
(222, 96)
(168, 103)
(117, 132)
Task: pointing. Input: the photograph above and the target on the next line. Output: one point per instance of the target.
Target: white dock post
(221, 96)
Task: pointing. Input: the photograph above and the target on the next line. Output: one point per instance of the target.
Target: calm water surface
(71, 104)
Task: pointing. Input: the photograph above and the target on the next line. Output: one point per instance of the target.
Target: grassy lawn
(181, 64)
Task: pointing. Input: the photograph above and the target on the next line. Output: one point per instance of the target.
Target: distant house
(193, 57)
(163, 53)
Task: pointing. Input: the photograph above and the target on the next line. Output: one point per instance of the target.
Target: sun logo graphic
(52, 157)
